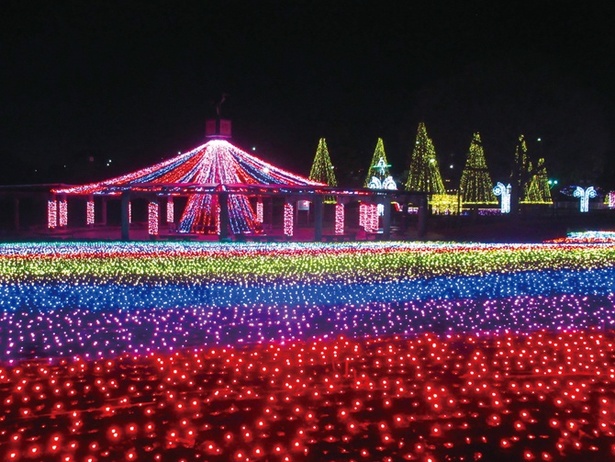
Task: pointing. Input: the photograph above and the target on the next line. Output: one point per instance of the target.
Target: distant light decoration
(522, 167)
(129, 212)
(259, 211)
(584, 195)
(424, 172)
(339, 218)
(611, 199)
(444, 204)
(90, 217)
(538, 190)
(588, 237)
(153, 218)
(62, 212)
(52, 214)
(371, 217)
(475, 183)
(504, 192)
(378, 176)
(170, 210)
(388, 183)
(322, 170)
(363, 210)
(288, 219)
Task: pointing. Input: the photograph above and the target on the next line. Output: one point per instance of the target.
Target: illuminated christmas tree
(476, 186)
(378, 176)
(424, 173)
(538, 190)
(521, 170)
(322, 169)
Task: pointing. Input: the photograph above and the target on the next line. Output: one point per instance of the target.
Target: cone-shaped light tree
(322, 169)
(378, 176)
(476, 186)
(530, 183)
(424, 172)
(521, 169)
(538, 191)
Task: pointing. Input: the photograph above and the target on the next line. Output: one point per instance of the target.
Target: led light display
(322, 170)
(52, 213)
(153, 218)
(475, 183)
(363, 207)
(345, 351)
(170, 210)
(378, 175)
(521, 170)
(259, 211)
(538, 190)
(584, 196)
(504, 193)
(62, 212)
(216, 162)
(339, 219)
(289, 219)
(90, 217)
(424, 172)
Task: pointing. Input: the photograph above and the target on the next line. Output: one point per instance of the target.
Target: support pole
(124, 213)
(386, 219)
(224, 216)
(422, 220)
(318, 215)
(103, 218)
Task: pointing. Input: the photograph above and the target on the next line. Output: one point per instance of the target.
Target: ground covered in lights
(371, 351)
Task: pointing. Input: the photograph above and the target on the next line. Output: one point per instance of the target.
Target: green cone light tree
(476, 185)
(424, 172)
(538, 190)
(322, 169)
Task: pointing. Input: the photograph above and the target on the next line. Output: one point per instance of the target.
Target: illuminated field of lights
(370, 351)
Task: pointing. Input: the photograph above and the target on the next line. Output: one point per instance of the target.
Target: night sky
(85, 82)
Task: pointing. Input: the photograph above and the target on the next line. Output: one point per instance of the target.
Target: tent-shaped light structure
(216, 163)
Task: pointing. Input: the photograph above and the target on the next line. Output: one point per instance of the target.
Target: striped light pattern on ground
(370, 351)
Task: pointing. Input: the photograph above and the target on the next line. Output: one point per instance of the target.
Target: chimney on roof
(218, 127)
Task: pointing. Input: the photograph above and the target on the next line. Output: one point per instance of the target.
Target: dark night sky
(134, 81)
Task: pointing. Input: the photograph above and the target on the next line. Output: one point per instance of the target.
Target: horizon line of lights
(300, 262)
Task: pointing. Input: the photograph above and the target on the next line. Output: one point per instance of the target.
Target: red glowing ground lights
(539, 396)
